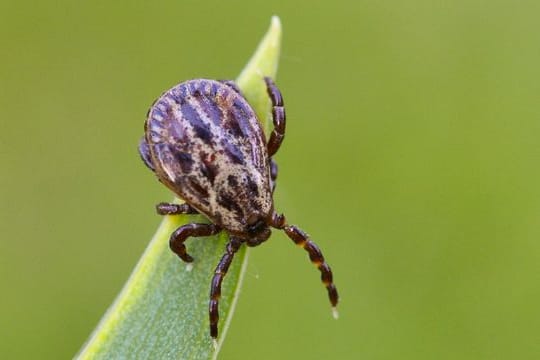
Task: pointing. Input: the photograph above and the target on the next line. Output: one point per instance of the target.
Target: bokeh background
(412, 158)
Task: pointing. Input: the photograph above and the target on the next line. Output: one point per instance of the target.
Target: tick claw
(215, 343)
(189, 267)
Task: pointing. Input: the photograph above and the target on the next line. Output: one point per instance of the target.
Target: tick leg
(144, 151)
(181, 234)
(278, 117)
(174, 209)
(215, 289)
(273, 173)
(232, 85)
(315, 255)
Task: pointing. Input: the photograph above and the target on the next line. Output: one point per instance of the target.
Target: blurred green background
(411, 158)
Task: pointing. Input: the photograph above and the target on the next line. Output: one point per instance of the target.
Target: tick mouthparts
(253, 219)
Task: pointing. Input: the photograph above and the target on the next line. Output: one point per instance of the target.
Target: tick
(204, 142)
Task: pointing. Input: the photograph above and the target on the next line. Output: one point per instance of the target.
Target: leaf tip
(275, 24)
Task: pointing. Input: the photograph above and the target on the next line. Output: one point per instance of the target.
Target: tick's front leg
(301, 239)
(215, 290)
(181, 234)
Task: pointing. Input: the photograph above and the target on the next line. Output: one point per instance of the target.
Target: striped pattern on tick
(209, 148)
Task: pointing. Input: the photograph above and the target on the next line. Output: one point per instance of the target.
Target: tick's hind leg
(301, 239)
(278, 117)
(215, 290)
(181, 234)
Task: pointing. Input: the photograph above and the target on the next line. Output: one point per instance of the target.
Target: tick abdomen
(208, 147)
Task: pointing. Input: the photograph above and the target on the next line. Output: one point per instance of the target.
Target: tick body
(204, 142)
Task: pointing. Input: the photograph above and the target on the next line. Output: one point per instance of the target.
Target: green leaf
(162, 311)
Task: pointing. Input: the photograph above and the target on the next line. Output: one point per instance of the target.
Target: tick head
(257, 230)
